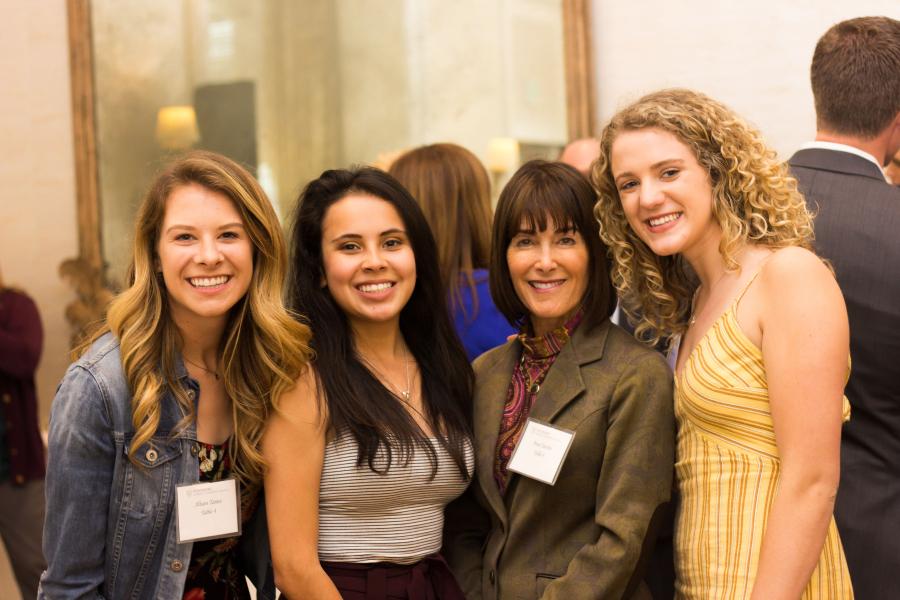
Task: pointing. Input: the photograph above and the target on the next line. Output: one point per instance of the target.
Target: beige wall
(37, 187)
(754, 56)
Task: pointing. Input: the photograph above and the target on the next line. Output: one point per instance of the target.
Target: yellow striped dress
(727, 471)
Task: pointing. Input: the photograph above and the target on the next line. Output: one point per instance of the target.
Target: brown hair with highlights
(454, 190)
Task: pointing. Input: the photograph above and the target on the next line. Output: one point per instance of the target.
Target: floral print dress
(214, 572)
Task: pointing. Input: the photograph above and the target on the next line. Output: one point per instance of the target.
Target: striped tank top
(397, 517)
(727, 471)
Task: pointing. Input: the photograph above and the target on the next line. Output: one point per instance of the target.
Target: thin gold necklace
(407, 393)
(210, 371)
(694, 312)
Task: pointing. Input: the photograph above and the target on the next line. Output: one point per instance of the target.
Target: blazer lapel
(490, 398)
(564, 383)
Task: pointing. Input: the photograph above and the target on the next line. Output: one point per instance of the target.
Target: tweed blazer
(589, 535)
(857, 218)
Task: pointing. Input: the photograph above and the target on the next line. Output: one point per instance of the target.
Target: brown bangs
(535, 212)
(538, 194)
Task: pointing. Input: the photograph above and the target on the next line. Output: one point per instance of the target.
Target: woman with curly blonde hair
(711, 242)
(170, 400)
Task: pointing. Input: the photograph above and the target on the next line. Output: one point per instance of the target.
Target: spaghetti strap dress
(727, 472)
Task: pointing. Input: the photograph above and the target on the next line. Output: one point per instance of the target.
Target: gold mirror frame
(87, 270)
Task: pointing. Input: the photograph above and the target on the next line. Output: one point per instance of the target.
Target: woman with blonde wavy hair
(711, 242)
(154, 448)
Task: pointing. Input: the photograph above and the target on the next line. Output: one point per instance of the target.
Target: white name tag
(206, 511)
(541, 451)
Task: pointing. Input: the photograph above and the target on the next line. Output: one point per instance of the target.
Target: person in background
(688, 191)
(454, 191)
(372, 443)
(589, 533)
(581, 154)
(21, 447)
(855, 76)
(173, 394)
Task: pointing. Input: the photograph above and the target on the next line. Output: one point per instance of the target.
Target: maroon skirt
(428, 579)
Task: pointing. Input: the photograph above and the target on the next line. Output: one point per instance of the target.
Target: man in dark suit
(856, 84)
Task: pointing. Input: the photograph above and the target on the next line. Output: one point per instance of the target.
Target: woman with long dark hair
(375, 440)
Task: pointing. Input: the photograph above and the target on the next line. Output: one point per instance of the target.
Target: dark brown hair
(357, 402)
(855, 76)
(540, 192)
(454, 190)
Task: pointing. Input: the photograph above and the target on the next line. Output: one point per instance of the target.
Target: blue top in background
(489, 327)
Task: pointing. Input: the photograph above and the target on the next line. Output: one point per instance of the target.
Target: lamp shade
(502, 154)
(176, 127)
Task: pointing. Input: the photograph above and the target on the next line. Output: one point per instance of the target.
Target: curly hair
(264, 348)
(755, 200)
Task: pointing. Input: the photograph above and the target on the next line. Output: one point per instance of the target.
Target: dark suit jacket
(589, 535)
(858, 230)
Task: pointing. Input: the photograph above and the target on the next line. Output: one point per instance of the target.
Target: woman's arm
(805, 345)
(78, 487)
(294, 449)
(633, 488)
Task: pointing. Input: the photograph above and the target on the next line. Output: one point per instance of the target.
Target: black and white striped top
(397, 517)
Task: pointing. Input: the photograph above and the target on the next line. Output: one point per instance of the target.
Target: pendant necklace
(405, 395)
(210, 371)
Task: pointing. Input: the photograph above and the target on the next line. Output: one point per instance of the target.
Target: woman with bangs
(454, 190)
(569, 375)
(712, 243)
(170, 400)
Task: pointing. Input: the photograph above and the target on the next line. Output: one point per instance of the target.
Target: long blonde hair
(454, 190)
(755, 200)
(263, 349)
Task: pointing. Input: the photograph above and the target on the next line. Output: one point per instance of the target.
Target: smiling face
(549, 271)
(370, 268)
(666, 194)
(204, 254)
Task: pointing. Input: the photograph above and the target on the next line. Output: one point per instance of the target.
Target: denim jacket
(110, 528)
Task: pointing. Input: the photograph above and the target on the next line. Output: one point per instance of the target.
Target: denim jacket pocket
(149, 485)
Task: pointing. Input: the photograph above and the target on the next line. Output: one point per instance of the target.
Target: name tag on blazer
(541, 451)
(207, 511)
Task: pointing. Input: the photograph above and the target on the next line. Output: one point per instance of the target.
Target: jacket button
(177, 565)
(151, 455)
(492, 576)
(7, 398)
(191, 393)
(535, 388)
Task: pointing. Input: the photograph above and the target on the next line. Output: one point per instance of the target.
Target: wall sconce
(502, 158)
(502, 155)
(176, 127)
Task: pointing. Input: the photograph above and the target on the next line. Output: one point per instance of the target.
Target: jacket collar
(837, 162)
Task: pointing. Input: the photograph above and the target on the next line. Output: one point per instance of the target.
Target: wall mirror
(292, 88)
